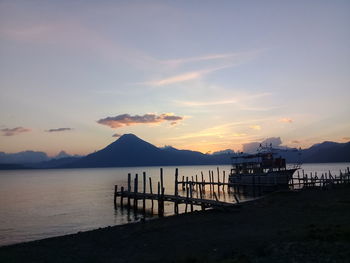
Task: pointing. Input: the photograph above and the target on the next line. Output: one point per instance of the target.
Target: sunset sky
(199, 75)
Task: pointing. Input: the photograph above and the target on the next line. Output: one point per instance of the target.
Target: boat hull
(280, 178)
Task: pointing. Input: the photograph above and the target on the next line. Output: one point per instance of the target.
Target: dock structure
(189, 199)
(194, 189)
(323, 180)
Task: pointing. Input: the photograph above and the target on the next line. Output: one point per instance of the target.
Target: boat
(261, 169)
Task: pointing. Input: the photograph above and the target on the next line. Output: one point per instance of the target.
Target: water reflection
(37, 204)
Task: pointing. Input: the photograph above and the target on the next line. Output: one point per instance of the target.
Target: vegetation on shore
(308, 226)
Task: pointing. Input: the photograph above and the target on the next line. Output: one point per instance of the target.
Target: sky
(198, 75)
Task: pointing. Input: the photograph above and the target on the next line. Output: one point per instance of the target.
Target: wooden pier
(194, 189)
(189, 188)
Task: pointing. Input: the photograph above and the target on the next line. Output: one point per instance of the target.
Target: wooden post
(210, 185)
(201, 196)
(341, 177)
(183, 183)
(197, 185)
(186, 194)
(176, 191)
(303, 178)
(150, 189)
(212, 180)
(311, 179)
(223, 187)
(121, 196)
(176, 207)
(191, 195)
(144, 192)
(162, 197)
(307, 179)
(299, 180)
(129, 189)
(159, 201)
(218, 180)
(115, 195)
(192, 183)
(136, 184)
(161, 178)
(203, 183)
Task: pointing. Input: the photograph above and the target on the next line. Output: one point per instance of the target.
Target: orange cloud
(128, 120)
(14, 131)
(286, 120)
(255, 127)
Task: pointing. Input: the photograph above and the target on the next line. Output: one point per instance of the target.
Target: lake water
(36, 204)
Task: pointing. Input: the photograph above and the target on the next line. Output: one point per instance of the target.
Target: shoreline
(309, 225)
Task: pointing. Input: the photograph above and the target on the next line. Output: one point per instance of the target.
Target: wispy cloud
(207, 103)
(255, 127)
(184, 77)
(219, 131)
(14, 131)
(286, 120)
(128, 120)
(59, 130)
(232, 57)
(242, 101)
(180, 61)
(239, 134)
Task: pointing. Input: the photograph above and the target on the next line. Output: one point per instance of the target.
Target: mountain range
(129, 150)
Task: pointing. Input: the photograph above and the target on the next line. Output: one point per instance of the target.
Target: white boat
(261, 169)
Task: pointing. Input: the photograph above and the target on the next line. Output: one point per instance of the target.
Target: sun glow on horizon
(75, 80)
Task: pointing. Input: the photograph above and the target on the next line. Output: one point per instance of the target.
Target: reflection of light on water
(37, 204)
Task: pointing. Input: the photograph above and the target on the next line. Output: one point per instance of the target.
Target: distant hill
(327, 152)
(129, 150)
(55, 163)
(25, 157)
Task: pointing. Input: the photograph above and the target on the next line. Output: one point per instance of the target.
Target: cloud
(346, 138)
(59, 130)
(180, 61)
(116, 135)
(286, 120)
(184, 77)
(242, 101)
(255, 127)
(14, 131)
(251, 147)
(207, 103)
(128, 120)
(296, 141)
(239, 134)
(236, 57)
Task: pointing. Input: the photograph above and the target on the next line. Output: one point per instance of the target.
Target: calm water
(36, 204)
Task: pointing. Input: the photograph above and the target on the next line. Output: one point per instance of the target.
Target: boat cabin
(257, 163)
